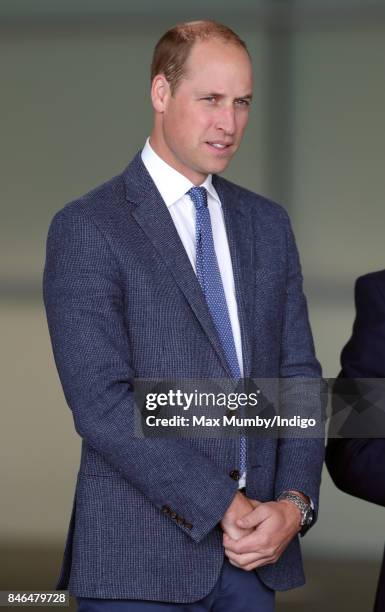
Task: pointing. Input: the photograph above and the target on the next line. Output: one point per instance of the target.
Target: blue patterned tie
(210, 280)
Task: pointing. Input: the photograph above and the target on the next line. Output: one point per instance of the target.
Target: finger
(243, 560)
(235, 564)
(254, 555)
(264, 560)
(254, 502)
(235, 533)
(254, 542)
(254, 517)
(237, 546)
(260, 563)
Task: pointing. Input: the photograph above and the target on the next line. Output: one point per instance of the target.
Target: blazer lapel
(151, 213)
(241, 243)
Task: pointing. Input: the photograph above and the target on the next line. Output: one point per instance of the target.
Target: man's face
(202, 124)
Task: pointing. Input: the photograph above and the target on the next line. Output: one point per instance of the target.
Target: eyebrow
(219, 95)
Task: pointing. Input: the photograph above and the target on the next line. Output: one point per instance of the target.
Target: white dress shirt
(173, 187)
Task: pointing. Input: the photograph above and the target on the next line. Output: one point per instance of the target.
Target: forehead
(218, 62)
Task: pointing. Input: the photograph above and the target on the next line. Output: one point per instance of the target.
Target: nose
(226, 120)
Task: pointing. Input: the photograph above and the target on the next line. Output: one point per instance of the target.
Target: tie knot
(198, 196)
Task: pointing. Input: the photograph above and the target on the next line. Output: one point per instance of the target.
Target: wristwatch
(307, 514)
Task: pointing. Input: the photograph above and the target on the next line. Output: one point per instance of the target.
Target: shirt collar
(171, 184)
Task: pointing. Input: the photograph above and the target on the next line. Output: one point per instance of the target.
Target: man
(169, 271)
(357, 465)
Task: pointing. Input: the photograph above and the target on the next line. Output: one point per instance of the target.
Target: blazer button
(188, 525)
(180, 520)
(173, 515)
(235, 475)
(166, 509)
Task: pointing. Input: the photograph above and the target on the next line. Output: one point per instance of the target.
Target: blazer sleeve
(357, 465)
(300, 459)
(84, 306)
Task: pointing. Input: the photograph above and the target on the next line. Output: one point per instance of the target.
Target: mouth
(219, 147)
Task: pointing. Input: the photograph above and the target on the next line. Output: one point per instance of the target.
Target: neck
(160, 147)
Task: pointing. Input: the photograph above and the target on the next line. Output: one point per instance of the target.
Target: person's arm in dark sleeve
(357, 465)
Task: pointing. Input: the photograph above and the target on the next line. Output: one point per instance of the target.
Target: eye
(209, 98)
(243, 102)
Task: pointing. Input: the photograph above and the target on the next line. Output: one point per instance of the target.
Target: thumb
(254, 502)
(252, 518)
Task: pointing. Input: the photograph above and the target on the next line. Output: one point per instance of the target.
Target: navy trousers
(235, 591)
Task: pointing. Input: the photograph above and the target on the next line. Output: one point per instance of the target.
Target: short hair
(173, 48)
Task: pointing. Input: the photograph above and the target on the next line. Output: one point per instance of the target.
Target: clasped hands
(256, 533)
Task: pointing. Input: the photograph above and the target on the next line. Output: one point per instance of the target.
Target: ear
(160, 92)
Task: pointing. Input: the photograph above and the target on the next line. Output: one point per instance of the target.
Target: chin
(218, 168)
(215, 166)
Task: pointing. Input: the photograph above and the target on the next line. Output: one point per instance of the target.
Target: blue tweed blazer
(123, 302)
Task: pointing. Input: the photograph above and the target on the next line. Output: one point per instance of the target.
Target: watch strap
(304, 507)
